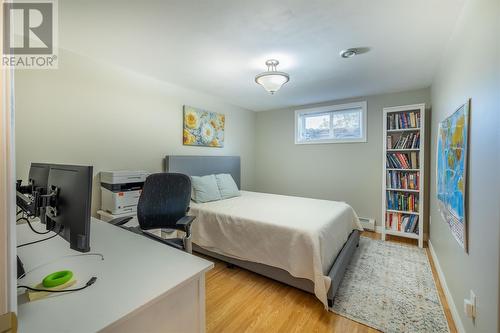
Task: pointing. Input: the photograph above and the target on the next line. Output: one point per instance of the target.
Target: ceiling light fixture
(272, 80)
(353, 51)
(349, 53)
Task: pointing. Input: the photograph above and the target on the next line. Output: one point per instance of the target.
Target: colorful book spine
(401, 222)
(403, 120)
(402, 201)
(403, 180)
(402, 160)
(405, 141)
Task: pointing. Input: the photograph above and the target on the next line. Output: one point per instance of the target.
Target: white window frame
(338, 107)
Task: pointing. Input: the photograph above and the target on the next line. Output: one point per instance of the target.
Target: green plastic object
(57, 278)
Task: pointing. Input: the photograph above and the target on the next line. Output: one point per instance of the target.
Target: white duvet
(300, 235)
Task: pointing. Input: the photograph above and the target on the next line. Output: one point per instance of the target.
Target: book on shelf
(413, 123)
(414, 160)
(402, 160)
(405, 141)
(403, 120)
(389, 142)
(404, 180)
(402, 201)
(401, 222)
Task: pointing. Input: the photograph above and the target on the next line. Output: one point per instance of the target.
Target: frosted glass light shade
(272, 81)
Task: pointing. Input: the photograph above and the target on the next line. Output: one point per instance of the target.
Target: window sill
(319, 142)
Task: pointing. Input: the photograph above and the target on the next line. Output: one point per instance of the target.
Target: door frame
(8, 277)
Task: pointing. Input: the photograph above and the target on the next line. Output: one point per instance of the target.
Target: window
(331, 124)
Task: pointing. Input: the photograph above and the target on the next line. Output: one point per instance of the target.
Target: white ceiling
(219, 46)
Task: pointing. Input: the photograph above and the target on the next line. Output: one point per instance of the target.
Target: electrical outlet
(470, 305)
(474, 305)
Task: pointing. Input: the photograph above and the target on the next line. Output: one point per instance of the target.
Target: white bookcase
(407, 191)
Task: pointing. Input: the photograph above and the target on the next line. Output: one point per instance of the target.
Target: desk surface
(134, 273)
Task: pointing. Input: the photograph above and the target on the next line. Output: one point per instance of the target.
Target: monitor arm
(50, 201)
(38, 204)
(27, 204)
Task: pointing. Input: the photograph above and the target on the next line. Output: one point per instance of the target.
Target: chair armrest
(121, 220)
(184, 223)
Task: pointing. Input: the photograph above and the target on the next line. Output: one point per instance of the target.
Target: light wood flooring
(241, 301)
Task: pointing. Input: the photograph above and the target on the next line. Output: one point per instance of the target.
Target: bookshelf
(403, 172)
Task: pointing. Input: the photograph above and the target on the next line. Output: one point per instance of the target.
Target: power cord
(31, 226)
(41, 240)
(88, 284)
(57, 259)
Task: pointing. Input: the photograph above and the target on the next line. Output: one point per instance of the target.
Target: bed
(306, 243)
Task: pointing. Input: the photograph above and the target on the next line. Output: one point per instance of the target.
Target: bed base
(336, 272)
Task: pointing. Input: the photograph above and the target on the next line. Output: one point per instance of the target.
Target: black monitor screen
(72, 209)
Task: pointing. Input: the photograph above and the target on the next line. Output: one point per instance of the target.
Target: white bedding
(300, 235)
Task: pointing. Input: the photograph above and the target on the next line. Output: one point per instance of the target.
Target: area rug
(389, 286)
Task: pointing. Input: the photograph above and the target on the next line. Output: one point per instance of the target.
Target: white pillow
(227, 186)
(205, 189)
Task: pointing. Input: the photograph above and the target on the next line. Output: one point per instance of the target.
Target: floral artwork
(452, 172)
(203, 128)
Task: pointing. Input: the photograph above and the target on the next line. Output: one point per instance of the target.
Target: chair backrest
(164, 200)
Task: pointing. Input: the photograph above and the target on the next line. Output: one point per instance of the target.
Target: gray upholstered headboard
(204, 165)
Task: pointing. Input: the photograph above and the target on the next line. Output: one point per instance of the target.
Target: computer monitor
(71, 188)
(39, 176)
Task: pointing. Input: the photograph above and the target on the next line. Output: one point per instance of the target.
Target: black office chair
(163, 204)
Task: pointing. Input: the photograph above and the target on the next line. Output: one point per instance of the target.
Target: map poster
(452, 172)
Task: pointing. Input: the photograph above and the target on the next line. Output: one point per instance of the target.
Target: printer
(120, 190)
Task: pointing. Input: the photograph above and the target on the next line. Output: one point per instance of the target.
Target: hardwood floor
(241, 301)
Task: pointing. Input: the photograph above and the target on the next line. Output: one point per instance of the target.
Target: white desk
(142, 285)
(106, 217)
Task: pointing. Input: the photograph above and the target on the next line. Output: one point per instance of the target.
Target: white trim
(451, 304)
(8, 280)
(329, 108)
(405, 108)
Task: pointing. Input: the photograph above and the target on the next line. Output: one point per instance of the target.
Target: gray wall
(350, 172)
(88, 112)
(471, 69)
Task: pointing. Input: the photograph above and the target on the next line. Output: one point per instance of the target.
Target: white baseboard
(447, 293)
(378, 229)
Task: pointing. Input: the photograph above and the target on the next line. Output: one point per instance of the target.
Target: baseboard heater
(367, 223)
